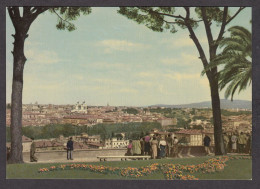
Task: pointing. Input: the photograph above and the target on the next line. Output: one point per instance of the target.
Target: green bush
(104, 130)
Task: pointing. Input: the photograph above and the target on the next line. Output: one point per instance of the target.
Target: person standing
(247, 143)
(142, 145)
(241, 142)
(207, 144)
(136, 147)
(162, 145)
(234, 143)
(154, 144)
(175, 147)
(129, 149)
(70, 149)
(158, 146)
(169, 142)
(33, 158)
(226, 141)
(147, 146)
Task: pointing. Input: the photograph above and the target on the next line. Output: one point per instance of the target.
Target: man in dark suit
(69, 149)
(207, 144)
(32, 152)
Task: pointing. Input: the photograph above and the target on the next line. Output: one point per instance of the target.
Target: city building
(116, 143)
(80, 108)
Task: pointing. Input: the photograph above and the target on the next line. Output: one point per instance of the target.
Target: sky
(111, 59)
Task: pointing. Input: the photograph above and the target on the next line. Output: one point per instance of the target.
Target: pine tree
(161, 19)
(22, 23)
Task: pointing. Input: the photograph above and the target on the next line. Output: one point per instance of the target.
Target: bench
(124, 158)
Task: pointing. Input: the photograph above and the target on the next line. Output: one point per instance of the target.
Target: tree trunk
(16, 99)
(215, 101)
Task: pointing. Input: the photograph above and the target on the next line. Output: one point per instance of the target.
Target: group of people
(154, 145)
(238, 142)
(166, 146)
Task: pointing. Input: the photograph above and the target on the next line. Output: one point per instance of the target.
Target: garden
(198, 168)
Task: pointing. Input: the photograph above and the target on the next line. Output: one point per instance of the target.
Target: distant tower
(107, 104)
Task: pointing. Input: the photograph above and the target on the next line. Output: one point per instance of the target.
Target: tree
(22, 23)
(237, 60)
(161, 19)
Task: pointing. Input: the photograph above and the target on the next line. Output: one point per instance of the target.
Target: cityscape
(183, 122)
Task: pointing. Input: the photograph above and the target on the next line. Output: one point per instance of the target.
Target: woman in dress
(136, 147)
(154, 144)
(234, 142)
(129, 149)
(162, 145)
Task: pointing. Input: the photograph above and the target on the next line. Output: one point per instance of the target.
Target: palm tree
(236, 58)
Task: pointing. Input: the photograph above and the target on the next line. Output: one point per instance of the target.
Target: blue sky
(110, 59)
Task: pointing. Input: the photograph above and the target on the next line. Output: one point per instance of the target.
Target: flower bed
(170, 171)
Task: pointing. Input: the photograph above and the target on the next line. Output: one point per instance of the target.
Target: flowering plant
(170, 171)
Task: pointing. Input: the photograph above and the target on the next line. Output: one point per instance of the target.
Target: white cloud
(184, 60)
(42, 57)
(146, 74)
(112, 45)
(144, 83)
(182, 76)
(111, 66)
(108, 82)
(128, 90)
(182, 41)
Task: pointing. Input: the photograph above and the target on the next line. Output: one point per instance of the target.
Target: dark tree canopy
(67, 14)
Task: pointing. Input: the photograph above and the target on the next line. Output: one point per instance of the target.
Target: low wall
(193, 150)
(91, 154)
(84, 155)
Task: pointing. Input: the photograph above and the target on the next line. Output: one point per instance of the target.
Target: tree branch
(239, 10)
(171, 22)
(11, 14)
(61, 17)
(207, 26)
(224, 23)
(197, 43)
(35, 11)
(164, 14)
(40, 10)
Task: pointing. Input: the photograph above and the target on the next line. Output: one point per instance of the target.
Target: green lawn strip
(31, 170)
(235, 170)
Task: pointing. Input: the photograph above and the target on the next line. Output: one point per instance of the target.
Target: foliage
(154, 18)
(171, 171)
(199, 127)
(182, 123)
(199, 117)
(18, 170)
(130, 111)
(236, 57)
(67, 14)
(132, 130)
(229, 113)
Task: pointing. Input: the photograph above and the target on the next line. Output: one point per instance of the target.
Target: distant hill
(225, 104)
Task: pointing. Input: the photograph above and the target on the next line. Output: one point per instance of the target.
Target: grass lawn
(235, 169)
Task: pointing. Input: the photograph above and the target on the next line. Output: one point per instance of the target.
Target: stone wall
(90, 155)
(187, 151)
(84, 155)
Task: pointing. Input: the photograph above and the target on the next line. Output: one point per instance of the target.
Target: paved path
(94, 159)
